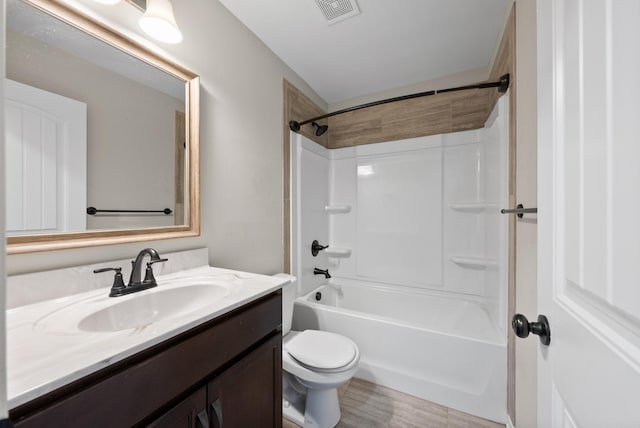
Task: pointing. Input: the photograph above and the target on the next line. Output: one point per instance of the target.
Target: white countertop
(45, 350)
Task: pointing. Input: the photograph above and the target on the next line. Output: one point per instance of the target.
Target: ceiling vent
(338, 10)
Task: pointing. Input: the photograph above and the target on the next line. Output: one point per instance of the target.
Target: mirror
(101, 135)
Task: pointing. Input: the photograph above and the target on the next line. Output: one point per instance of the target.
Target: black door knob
(522, 327)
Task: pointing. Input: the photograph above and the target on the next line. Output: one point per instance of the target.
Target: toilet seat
(321, 351)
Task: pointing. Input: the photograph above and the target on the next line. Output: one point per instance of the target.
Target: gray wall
(130, 130)
(240, 141)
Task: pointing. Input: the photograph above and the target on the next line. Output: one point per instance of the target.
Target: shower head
(320, 129)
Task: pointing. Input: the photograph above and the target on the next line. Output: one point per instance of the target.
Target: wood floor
(366, 405)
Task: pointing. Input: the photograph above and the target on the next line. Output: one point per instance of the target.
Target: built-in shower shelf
(474, 262)
(339, 253)
(471, 206)
(337, 209)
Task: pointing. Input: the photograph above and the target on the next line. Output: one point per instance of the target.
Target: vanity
(202, 349)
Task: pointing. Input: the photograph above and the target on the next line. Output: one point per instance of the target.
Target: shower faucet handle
(316, 247)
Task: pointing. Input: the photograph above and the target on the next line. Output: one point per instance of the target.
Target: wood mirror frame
(46, 242)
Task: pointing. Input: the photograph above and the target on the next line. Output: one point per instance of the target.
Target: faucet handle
(118, 282)
(118, 270)
(148, 274)
(316, 247)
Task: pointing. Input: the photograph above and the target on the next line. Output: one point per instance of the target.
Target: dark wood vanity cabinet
(242, 396)
(226, 373)
(190, 413)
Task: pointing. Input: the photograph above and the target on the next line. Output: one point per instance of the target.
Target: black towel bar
(519, 210)
(94, 210)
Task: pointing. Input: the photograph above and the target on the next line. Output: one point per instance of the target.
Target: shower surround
(418, 259)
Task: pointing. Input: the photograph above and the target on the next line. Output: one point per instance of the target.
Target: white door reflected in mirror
(46, 156)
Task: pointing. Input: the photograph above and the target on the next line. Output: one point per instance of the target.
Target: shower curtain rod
(502, 85)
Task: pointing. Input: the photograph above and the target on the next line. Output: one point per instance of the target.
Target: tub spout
(324, 272)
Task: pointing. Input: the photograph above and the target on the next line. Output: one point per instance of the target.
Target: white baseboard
(509, 423)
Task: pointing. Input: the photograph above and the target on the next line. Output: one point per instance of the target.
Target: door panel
(243, 385)
(46, 145)
(588, 96)
(32, 173)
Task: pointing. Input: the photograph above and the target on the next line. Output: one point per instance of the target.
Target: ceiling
(390, 44)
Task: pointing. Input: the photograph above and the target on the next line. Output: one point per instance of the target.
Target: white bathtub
(441, 349)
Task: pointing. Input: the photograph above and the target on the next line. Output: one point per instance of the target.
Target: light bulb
(159, 23)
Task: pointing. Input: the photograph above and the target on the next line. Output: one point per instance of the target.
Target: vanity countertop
(46, 349)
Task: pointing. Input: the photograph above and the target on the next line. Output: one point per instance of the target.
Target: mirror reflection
(88, 125)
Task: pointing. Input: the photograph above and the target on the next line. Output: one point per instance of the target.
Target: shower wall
(309, 221)
(419, 215)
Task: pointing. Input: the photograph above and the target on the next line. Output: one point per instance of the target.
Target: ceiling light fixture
(159, 23)
(109, 2)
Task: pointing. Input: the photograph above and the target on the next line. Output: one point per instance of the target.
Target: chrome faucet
(136, 268)
(324, 272)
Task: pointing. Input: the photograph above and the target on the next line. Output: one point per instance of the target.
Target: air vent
(338, 10)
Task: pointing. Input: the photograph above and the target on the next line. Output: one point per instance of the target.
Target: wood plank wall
(505, 62)
(431, 115)
(296, 106)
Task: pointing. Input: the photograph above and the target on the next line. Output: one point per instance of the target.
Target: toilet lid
(321, 349)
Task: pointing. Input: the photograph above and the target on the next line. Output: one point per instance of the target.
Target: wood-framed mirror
(101, 135)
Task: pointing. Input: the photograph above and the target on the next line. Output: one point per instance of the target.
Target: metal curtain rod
(502, 85)
(94, 210)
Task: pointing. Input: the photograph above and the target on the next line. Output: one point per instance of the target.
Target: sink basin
(134, 311)
(146, 309)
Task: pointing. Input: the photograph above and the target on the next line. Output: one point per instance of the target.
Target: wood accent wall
(431, 115)
(296, 106)
(180, 152)
(505, 62)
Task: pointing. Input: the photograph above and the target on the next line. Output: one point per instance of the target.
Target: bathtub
(441, 349)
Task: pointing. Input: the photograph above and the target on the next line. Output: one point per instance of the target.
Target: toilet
(314, 364)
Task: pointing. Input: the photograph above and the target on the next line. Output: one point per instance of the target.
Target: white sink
(148, 308)
(133, 311)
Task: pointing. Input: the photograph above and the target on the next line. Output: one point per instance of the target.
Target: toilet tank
(288, 299)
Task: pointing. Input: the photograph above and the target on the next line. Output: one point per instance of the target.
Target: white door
(589, 212)
(45, 137)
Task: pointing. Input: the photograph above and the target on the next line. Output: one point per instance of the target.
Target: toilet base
(322, 409)
(294, 411)
(318, 408)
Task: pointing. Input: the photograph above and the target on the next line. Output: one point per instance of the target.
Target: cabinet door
(190, 413)
(249, 393)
